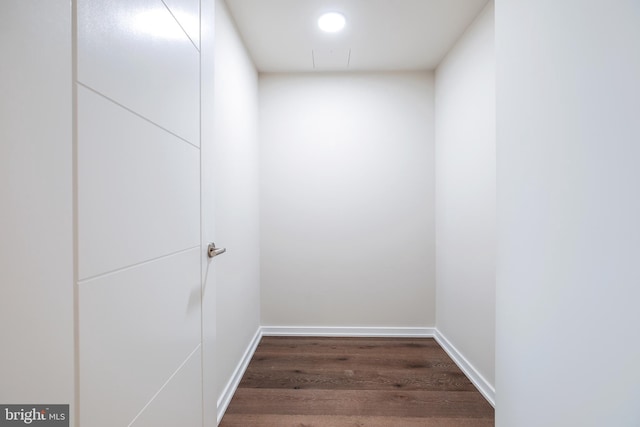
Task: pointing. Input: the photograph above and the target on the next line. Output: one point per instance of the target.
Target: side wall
(347, 200)
(235, 177)
(568, 99)
(466, 195)
(36, 219)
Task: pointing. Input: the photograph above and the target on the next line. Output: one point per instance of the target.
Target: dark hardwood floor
(340, 382)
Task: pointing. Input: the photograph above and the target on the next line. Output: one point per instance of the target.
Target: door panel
(179, 403)
(137, 327)
(136, 53)
(187, 12)
(138, 188)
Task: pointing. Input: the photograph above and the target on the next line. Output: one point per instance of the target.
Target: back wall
(347, 199)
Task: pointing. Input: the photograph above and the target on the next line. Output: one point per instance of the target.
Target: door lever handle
(212, 251)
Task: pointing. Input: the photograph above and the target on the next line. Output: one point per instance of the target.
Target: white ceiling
(283, 36)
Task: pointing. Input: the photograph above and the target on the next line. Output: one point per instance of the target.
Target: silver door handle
(212, 251)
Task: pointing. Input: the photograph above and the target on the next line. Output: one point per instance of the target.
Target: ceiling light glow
(332, 22)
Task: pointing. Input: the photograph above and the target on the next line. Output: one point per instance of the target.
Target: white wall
(568, 98)
(36, 223)
(466, 195)
(347, 199)
(235, 177)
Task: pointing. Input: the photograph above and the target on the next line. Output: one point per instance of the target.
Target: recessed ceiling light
(332, 22)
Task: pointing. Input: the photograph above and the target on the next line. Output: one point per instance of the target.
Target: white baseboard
(483, 386)
(339, 331)
(232, 385)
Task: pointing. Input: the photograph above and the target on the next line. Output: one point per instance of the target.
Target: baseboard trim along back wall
(340, 331)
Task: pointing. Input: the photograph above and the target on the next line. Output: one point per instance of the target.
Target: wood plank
(350, 346)
(244, 420)
(450, 404)
(355, 379)
(418, 362)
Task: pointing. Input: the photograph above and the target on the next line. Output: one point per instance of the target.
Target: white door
(140, 254)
